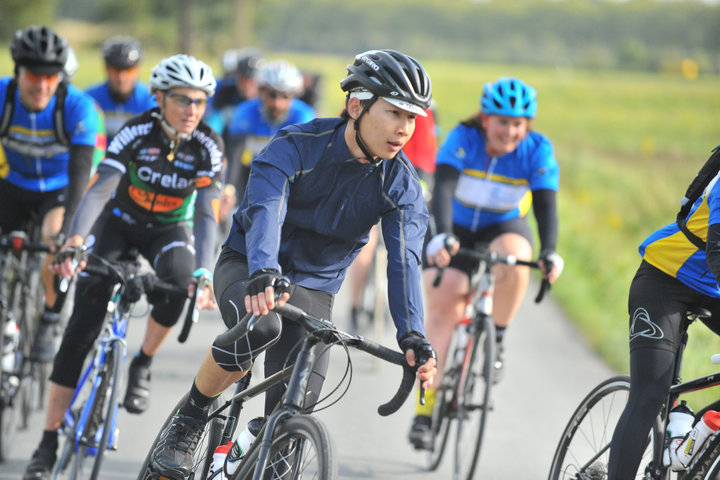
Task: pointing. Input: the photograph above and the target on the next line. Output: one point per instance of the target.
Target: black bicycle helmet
(122, 52)
(40, 49)
(396, 77)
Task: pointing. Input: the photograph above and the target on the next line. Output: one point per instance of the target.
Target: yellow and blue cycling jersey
(31, 157)
(493, 189)
(670, 250)
(250, 122)
(118, 113)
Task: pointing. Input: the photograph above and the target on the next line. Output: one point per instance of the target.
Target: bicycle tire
(445, 408)
(11, 385)
(283, 462)
(592, 425)
(201, 462)
(77, 451)
(474, 398)
(113, 380)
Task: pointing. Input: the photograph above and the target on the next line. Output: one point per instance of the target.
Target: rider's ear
(354, 108)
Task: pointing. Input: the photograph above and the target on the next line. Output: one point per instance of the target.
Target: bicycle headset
(395, 77)
(509, 96)
(122, 52)
(181, 71)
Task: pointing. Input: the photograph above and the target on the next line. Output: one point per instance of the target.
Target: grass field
(627, 143)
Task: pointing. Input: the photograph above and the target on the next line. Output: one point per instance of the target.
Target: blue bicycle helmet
(509, 96)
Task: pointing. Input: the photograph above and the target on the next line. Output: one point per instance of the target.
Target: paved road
(548, 370)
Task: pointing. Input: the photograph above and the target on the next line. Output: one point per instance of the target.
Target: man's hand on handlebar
(66, 264)
(441, 248)
(417, 347)
(260, 298)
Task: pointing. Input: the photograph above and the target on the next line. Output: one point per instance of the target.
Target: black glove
(418, 344)
(261, 279)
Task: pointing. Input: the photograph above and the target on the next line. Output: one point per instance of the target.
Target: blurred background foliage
(635, 34)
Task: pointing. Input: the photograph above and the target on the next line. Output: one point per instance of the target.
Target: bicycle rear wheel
(474, 398)
(584, 446)
(300, 448)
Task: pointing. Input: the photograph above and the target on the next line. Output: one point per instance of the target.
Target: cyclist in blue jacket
(121, 96)
(490, 170)
(313, 194)
(48, 135)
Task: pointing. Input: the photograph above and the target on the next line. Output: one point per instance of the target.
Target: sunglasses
(118, 71)
(38, 77)
(184, 101)
(275, 94)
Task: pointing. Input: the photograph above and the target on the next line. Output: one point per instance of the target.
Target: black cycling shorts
(480, 239)
(658, 303)
(20, 206)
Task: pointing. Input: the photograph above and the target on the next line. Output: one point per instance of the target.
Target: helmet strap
(176, 137)
(358, 139)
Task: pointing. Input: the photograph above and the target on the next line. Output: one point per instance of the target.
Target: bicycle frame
(114, 330)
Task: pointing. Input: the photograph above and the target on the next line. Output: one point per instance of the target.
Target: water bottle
(681, 422)
(11, 338)
(462, 339)
(695, 441)
(243, 444)
(216, 469)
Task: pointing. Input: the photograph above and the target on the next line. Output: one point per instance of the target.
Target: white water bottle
(681, 422)
(243, 444)
(698, 436)
(462, 340)
(11, 337)
(216, 469)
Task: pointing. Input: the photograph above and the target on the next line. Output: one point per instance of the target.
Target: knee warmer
(239, 356)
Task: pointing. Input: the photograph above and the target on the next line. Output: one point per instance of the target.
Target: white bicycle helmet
(281, 76)
(182, 71)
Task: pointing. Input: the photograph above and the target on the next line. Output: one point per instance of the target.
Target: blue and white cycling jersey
(250, 122)
(116, 114)
(491, 189)
(31, 157)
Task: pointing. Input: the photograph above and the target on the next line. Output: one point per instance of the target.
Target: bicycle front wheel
(474, 398)
(445, 408)
(584, 446)
(300, 448)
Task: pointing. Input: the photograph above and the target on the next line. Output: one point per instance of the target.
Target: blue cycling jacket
(116, 114)
(491, 189)
(309, 207)
(31, 156)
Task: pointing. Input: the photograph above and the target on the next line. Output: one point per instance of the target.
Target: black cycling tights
(278, 339)
(651, 372)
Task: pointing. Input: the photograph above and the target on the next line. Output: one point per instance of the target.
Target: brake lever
(77, 257)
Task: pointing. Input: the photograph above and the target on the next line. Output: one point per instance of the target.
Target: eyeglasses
(38, 77)
(185, 101)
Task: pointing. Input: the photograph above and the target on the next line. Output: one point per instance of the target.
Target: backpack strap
(8, 108)
(59, 115)
(695, 191)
